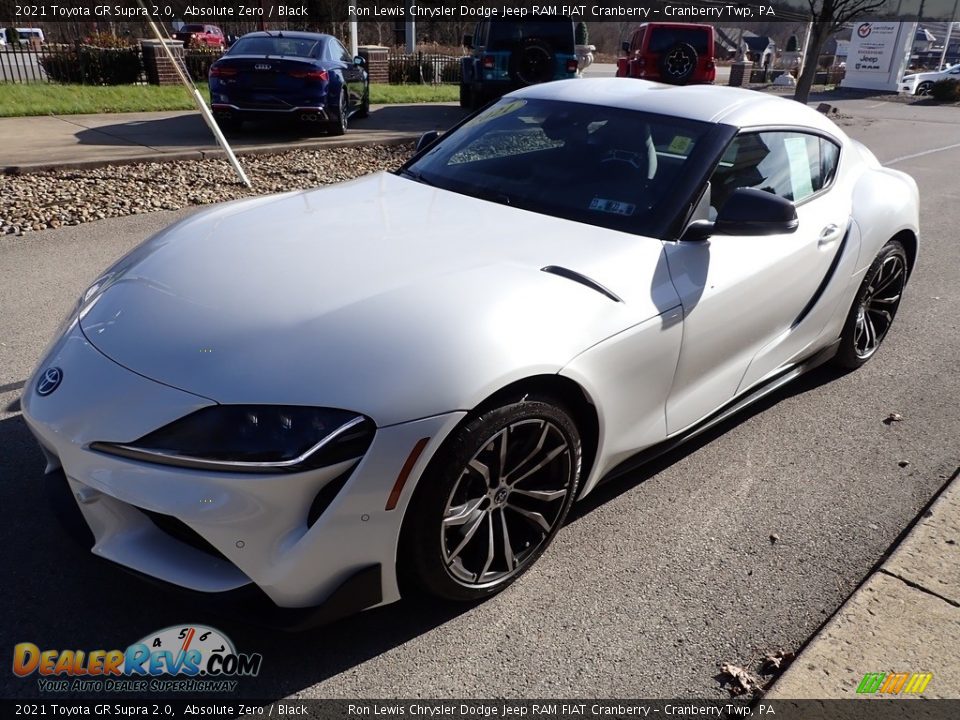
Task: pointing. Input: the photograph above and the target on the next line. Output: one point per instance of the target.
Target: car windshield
(664, 38)
(285, 46)
(557, 33)
(588, 163)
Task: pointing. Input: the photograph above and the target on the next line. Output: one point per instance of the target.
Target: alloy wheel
(506, 503)
(879, 306)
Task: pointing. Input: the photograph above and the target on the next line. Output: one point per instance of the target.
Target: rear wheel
(466, 97)
(874, 307)
(338, 126)
(229, 125)
(364, 110)
(492, 501)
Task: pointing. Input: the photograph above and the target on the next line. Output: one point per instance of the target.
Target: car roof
(296, 34)
(706, 103)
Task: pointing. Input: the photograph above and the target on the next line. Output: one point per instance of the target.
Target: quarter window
(792, 165)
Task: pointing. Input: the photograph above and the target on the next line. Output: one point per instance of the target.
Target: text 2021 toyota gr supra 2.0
(406, 395)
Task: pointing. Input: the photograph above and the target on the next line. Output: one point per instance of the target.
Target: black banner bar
(25, 13)
(860, 708)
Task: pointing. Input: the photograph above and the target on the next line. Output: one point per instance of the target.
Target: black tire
(478, 98)
(466, 97)
(531, 63)
(874, 307)
(454, 545)
(340, 121)
(924, 88)
(229, 125)
(678, 64)
(364, 110)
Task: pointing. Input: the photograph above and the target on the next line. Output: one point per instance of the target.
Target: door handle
(830, 234)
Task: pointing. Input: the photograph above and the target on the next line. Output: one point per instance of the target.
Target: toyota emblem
(49, 381)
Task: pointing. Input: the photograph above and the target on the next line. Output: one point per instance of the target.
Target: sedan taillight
(222, 72)
(320, 75)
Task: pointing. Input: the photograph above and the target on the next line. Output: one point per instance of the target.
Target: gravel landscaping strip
(70, 197)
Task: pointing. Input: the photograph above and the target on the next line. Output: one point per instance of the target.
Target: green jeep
(506, 55)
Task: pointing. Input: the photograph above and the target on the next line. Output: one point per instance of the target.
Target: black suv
(505, 55)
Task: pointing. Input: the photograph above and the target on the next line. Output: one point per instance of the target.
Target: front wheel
(874, 307)
(924, 88)
(491, 502)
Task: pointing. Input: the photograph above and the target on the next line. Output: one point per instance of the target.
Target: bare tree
(827, 16)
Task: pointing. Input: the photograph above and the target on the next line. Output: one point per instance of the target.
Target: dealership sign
(877, 55)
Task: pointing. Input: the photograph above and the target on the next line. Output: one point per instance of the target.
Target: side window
(792, 165)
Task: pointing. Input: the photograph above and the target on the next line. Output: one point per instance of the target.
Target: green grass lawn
(18, 99)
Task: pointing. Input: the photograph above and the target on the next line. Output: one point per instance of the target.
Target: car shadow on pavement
(188, 130)
(609, 490)
(60, 596)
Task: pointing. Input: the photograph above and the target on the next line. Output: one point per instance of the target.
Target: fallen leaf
(777, 661)
(739, 681)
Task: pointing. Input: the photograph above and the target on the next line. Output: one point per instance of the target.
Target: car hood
(381, 295)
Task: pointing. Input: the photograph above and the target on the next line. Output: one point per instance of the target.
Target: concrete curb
(160, 156)
(904, 617)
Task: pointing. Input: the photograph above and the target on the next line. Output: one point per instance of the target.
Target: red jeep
(675, 53)
(200, 36)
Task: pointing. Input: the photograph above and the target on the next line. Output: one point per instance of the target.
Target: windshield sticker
(612, 206)
(680, 145)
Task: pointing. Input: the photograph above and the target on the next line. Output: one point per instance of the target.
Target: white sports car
(400, 384)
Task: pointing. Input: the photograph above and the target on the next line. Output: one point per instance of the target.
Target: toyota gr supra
(330, 410)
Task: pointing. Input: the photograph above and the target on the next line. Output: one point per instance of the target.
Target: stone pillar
(156, 63)
(740, 73)
(378, 62)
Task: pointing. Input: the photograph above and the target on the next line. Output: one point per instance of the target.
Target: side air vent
(582, 279)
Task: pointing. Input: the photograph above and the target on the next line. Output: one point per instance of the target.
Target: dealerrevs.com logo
(181, 658)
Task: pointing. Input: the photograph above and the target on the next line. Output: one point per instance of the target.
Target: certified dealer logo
(180, 658)
(864, 29)
(49, 381)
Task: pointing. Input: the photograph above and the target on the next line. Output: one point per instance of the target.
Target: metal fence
(423, 69)
(85, 64)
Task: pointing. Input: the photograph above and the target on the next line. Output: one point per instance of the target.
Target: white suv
(920, 83)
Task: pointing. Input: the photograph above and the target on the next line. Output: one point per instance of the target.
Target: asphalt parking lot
(656, 579)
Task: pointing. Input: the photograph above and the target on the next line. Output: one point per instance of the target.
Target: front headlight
(253, 438)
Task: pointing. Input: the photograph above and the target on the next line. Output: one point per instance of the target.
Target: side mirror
(427, 139)
(468, 41)
(625, 46)
(359, 61)
(748, 211)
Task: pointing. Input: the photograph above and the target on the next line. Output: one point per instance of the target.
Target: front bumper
(214, 532)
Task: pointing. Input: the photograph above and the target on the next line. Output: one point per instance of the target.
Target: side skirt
(748, 398)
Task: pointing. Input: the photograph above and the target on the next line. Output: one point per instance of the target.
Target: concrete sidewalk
(30, 144)
(905, 618)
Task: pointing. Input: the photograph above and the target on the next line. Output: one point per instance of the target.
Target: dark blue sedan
(306, 77)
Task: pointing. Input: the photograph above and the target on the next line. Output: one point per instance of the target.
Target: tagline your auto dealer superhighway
(598, 11)
(487, 710)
